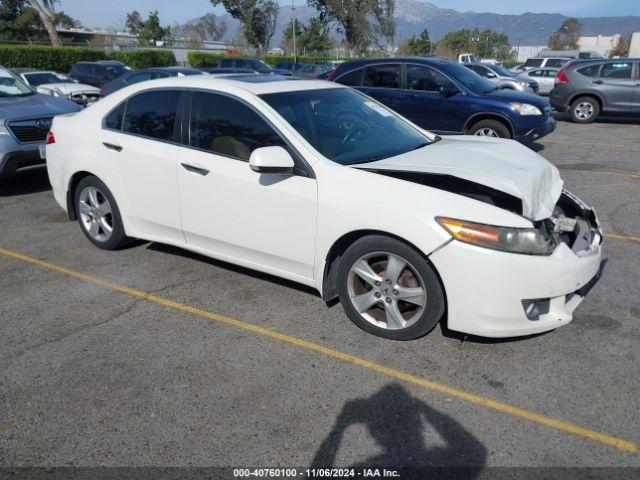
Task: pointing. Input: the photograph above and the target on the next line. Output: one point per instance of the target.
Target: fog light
(536, 307)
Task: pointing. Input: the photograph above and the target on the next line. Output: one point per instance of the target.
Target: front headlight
(528, 241)
(525, 108)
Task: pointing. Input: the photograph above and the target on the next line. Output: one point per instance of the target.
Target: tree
(152, 31)
(622, 47)
(567, 35)
(353, 19)
(418, 46)
(65, 21)
(47, 12)
(315, 37)
(207, 27)
(484, 44)
(258, 19)
(134, 22)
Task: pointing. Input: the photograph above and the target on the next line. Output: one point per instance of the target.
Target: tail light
(331, 74)
(50, 138)
(102, 90)
(561, 77)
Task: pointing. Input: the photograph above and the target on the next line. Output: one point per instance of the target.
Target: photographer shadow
(397, 422)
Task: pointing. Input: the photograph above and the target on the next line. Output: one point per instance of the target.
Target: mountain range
(412, 16)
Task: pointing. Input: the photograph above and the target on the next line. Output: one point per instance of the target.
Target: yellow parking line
(598, 172)
(603, 438)
(622, 237)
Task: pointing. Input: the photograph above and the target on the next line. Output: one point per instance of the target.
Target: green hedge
(47, 58)
(204, 59)
(145, 58)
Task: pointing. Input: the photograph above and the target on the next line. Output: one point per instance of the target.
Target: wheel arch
(71, 188)
(478, 117)
(329, 276)
(587, 94)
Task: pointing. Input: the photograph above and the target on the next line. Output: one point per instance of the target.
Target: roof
(425, 60)
(256, 84)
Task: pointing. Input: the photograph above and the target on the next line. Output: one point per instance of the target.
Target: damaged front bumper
(498, 294)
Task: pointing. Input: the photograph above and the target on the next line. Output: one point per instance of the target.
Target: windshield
(468, 78)
(10, 86)
(345, 126)
(503, 72)
(37, 79)
(259, 66)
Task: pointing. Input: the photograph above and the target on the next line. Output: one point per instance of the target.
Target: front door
(264, 221)
(616, 85)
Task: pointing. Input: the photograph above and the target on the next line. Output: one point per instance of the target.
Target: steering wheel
(351, 135)
(353, 124)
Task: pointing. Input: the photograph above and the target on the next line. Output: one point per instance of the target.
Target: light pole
(293, 12)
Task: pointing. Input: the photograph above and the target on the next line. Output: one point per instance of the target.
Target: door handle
(598, 82)
(195, 169)
(112, 146)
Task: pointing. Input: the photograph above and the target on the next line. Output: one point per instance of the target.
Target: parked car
(503, 78)
(58, 85)
(446, 97)
(545, 62)
(144, 74)
(587, 88)
(291, 66)
(97, 73)
(25, 118)
(545, 77)
(255, 64)
(312, 71)
(319, 184)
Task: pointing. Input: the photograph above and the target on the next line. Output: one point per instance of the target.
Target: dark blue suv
(446, 97)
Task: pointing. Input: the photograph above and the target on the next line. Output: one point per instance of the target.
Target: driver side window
(427, 79)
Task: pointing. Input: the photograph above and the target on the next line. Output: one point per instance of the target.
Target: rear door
(635, 106)
(140, 138)
(616, 84)
(382, 82)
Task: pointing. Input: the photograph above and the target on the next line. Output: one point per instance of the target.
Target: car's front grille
(28, 131)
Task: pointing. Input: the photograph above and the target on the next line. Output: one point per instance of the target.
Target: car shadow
(536, 147)
(619, 120)
(25, 183)
(397, 422)
(169, 249)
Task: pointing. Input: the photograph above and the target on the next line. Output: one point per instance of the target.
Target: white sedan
(58, 85)
(319, 184)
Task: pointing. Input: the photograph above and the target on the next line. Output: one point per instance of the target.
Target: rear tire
(584, 110)
(98, 214)
(388, 289)
(490, 128)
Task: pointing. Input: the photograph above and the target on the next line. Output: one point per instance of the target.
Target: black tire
(117, 238)
(434, 308)
(494, 125)
(584, 110)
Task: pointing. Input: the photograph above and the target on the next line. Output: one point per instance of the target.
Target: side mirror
(274, 160)
(448, 91)
(491, 75)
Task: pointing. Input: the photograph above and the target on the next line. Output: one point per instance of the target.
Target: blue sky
(112, 13)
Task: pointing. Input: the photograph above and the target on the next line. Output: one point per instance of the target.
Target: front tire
(490, 128)
(388, 289)
(98, 214)
(584, 110)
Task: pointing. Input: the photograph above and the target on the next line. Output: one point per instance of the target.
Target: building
(634, 48)
(599, 44)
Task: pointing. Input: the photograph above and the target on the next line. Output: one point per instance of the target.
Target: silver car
(503, 78)
(25, 118)
(546, 78)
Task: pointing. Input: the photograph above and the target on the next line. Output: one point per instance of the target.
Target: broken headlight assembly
(528, 241)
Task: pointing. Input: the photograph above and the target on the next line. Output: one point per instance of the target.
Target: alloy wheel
(486, 132)
(386, 290)
(96, 214)
(584, 110)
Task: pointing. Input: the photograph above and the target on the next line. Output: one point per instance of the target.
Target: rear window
(352, 79)
(534, 62)
(382, 76)
(113, 121)
(152, 114)
(590, 71)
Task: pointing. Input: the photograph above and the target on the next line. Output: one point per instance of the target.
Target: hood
(521, 97)
(503, 165)
(36, 105)
(68, 87)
